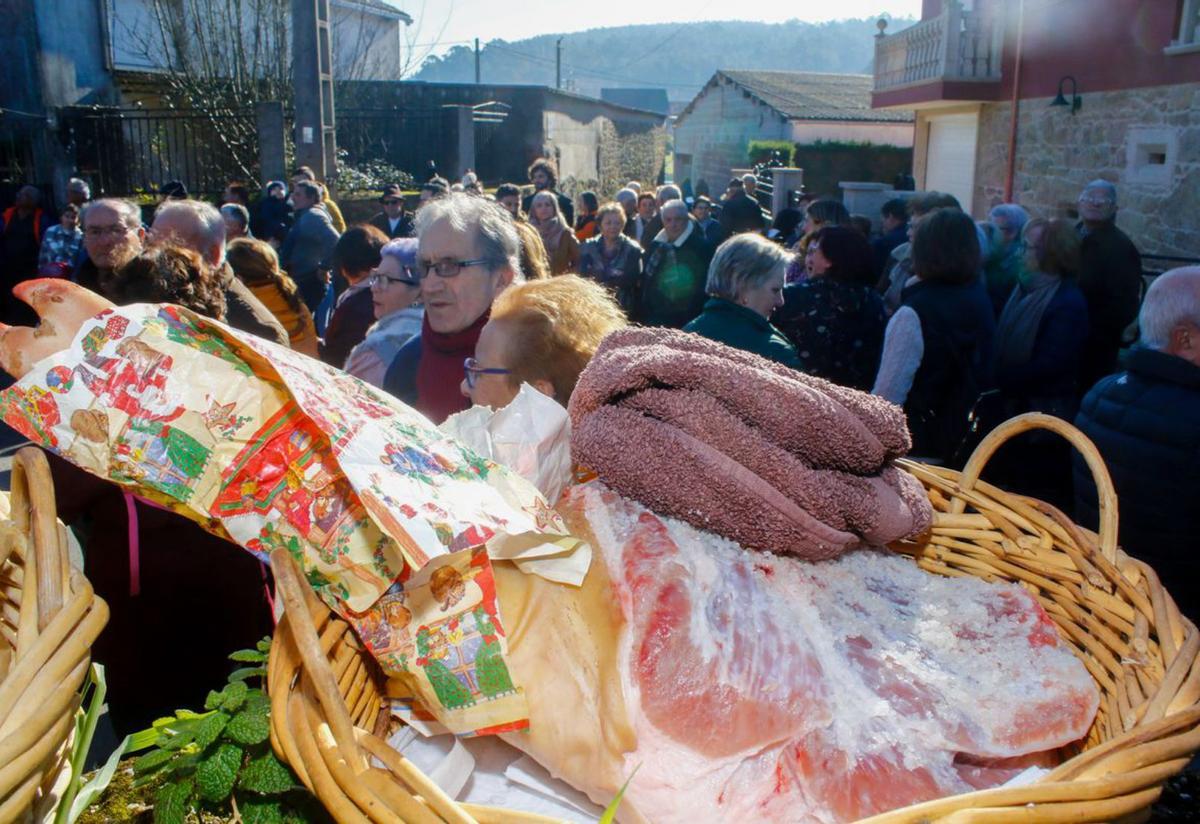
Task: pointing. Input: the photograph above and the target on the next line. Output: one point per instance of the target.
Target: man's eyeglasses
(1094, 201)
(473, 370)
(447, 268)
(378, 280)
(391, 201)
(97, 232)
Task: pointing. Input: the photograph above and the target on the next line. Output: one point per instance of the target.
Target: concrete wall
(1058, 153)
(365, 46)
(883, 134)
(715, 133)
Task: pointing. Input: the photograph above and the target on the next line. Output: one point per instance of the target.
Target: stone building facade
(1127, 88)
(712, 134)
(1146, 141)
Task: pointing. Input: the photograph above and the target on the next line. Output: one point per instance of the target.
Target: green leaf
(247, 672)
(252, 656)
(610, 812)
(214, 699)
(152, 760)
(171, 802)
(268, 775)
(209, 729)
(90, 791)
(235, 696)
(216, 774)
(261, 811)
(264, 645)
(250, 726)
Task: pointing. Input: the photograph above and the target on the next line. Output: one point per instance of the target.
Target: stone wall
(1146, 141)
(716, 133)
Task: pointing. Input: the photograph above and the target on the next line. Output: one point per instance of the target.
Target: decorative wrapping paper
(393, 522)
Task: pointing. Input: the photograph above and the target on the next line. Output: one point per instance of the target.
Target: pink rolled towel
(771, 458)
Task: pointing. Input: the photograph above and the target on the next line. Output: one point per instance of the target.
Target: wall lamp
(1059, 100)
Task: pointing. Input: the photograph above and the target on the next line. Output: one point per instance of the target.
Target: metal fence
(126, 152)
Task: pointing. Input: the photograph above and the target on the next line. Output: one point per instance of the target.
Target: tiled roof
(812, 95)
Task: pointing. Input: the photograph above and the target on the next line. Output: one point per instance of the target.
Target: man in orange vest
(24, 225)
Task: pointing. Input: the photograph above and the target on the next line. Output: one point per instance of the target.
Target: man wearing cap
(393, 221)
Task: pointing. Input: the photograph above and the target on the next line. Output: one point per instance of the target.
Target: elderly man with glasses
(113, 235)
(1110, 275)
(468, 252)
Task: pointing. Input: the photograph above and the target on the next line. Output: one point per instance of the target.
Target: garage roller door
(950, 158)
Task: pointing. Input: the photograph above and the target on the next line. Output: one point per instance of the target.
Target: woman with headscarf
(562, 247)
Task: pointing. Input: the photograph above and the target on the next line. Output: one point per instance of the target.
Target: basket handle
(34, 512)
(292, 584)
(1038, 420)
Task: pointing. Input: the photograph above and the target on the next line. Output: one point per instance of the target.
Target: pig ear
(62, 308)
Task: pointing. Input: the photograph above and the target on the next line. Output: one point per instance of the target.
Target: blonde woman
(543, 333)
(256, 264)
(562, 248)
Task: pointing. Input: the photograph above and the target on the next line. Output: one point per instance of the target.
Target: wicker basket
(328, 712)
(50, 619)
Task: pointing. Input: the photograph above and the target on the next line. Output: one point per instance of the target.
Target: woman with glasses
(396, 293)
(542, 333)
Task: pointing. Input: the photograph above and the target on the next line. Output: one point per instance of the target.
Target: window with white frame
(1188, 36)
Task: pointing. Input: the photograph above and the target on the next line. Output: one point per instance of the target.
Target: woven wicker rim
(328, 710)
(50, 617)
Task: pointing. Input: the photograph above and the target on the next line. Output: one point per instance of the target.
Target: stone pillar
(271, 140)
(784, 180)
(862, 198)
(461, 122)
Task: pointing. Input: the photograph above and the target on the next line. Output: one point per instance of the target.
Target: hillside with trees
(678, 57)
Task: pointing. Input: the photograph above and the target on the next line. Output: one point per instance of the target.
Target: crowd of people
(963, 323)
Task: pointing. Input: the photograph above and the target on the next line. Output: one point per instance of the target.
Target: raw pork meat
(762, 688)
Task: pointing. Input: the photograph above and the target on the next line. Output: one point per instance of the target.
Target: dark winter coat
(1144, 421)
(742, 328)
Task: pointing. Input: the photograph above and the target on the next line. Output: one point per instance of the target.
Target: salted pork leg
(756, 687)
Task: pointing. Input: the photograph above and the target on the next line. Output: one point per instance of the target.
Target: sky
(448, 22)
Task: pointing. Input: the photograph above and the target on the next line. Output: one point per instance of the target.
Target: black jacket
(1110, 275)
(673, 281)
(1146, 423)
(741, 214)
(403, 229)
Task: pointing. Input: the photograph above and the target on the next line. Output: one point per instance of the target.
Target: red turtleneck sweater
(440, 371)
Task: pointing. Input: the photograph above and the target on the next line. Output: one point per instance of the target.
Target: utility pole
(558, 64)
(476, 61)
(312, 80)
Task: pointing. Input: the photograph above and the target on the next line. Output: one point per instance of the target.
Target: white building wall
(366, 46)
(881, 134)
(715, 134)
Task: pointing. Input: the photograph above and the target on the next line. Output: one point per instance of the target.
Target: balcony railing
(956, 45)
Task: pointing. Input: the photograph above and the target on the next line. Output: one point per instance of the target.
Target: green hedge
(828, 162)
(759, 151)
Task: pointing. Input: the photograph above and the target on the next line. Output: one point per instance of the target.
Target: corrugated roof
(651, 100)
(811, 95)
